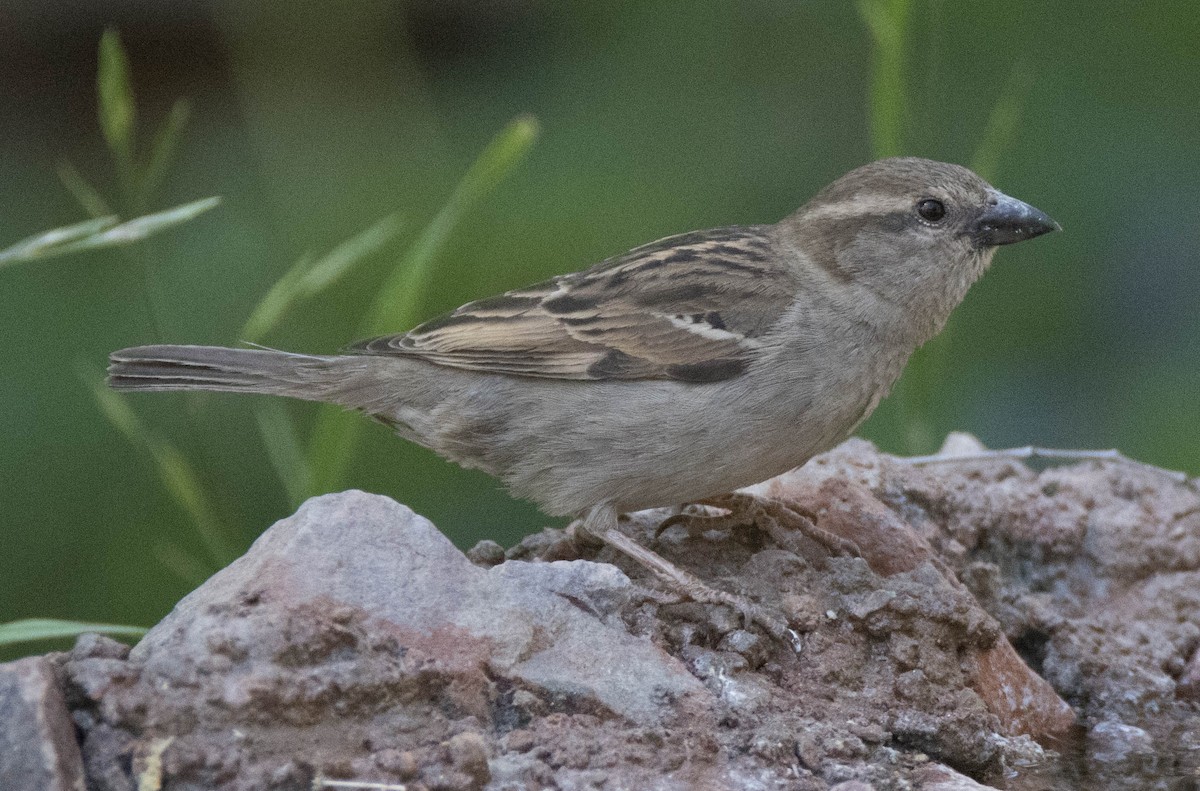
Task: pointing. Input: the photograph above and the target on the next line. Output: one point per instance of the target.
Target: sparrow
(677, 372)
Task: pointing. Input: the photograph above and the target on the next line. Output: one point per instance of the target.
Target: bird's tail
(156, 368)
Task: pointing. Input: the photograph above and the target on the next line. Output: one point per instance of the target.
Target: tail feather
(164, 367)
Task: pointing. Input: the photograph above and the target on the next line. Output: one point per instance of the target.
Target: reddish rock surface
(1002, 628)
(38, 749)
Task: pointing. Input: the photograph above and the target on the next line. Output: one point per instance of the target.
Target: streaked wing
(691, 307)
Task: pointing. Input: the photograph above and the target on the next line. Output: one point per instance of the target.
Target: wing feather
(693, 307)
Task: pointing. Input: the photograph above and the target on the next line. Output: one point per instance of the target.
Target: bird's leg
(786, 523)
(601, 522)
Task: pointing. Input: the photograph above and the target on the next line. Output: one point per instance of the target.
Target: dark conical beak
(1009, 220)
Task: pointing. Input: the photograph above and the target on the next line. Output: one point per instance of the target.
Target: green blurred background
(313, 120)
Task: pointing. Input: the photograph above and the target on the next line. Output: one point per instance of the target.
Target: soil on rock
(1000, 627)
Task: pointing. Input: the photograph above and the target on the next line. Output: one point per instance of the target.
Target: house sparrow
(681, 370)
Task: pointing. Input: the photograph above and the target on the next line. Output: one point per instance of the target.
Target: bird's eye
(931, 210)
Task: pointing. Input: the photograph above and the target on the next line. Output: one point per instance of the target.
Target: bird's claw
(786, 524)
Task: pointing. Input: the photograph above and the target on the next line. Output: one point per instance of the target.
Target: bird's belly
(680, 443)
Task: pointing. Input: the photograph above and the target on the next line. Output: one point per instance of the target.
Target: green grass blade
(162, 153)
(1002, 122)
(116, 104)
(285, 450)
(927, 371)
(915, 392)
(50, 243)
(175, 472)
(310, 277)
(140, 228)
(83, 192)
(101, 232)
(889, 24)
(335, 436)
(328, 270)
(31, 629)
(186, 567)
(278, 299)
(397, 301)
(331, 446)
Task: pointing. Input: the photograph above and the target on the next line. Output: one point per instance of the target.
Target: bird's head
(914, 231)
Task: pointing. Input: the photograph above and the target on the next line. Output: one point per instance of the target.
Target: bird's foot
(691, 587)
(791, 527)
(600, 524)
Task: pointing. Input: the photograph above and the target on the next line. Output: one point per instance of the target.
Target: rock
(91, 645)
(469, 754)
(852, 785)
(960, 443)
(355, 643)
(1024, 701)
(486, 553)
(936, 777)
(1119, 747)
(37, 738)
(1189, 679)
(851, 511)
(543, 624)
